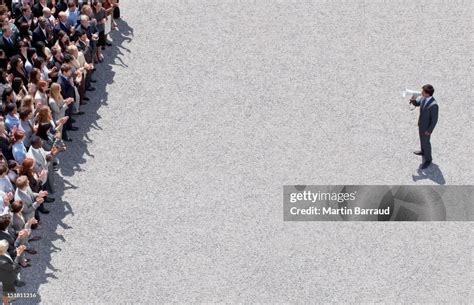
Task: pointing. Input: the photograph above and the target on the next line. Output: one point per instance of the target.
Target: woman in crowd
(18, 70)
(41, 96)
(59, 106)
(30, 59)
(8, 97)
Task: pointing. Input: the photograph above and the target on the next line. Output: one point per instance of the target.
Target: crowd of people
(49, 50)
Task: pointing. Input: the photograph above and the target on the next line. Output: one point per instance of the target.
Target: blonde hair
(3, 246)
(55, 92)
(71, 49)
(21, 182)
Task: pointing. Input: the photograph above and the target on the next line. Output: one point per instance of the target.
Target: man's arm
(433, 118)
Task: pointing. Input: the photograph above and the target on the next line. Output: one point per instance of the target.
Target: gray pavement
(205, 109)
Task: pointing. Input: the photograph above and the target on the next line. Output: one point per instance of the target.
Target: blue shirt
(11, 121)
(72, 17)
(19, 152)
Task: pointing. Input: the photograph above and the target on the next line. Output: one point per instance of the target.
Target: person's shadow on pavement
(433, 173)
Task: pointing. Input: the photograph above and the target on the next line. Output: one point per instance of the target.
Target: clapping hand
(43, 194)
(23, 234)
(32, 221)
(20, 250)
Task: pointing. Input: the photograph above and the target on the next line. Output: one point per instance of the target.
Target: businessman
(426, 122)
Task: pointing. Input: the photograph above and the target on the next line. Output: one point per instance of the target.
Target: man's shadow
(433, 173)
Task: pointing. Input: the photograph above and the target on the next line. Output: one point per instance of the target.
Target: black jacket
(428, 116)
(8, 270)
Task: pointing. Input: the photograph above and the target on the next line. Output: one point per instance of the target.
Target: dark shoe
(35, 238)
(90, 89)
(79, 113)
(31, 251)
(418, 153)
(19, 283)
(73, 128)
(43, 210)
(49, 199)
(108, 43)
(85, 98)
(93, 80)
(426, 165)
(83, 103)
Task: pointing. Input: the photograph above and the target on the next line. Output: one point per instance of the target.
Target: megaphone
(411, 93)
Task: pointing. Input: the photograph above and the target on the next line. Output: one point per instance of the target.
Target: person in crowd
(43, 164)
(31, 200)
(31, 56)
(100, 17)
(58, 106)
(8, 42)
(26, 115)
(41, 96)
(12, 119)
(5, 146)
(9, 270)
(17, 69)
(5, 184)
(18, 149)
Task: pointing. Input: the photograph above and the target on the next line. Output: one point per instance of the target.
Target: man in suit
(31, 201)
(6, 234)
(26, 17)
(426, 122)
(8, 43)
(63, 25)
(41, 33)
(38, 7)
(9, 270)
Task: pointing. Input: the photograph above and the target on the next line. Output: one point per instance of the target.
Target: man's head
(66, 70)
(427, 90)
(16, 206)
(71, 5)
(82, 35)
(22, 182)
(42, 22)
(4, 222)
(26, 10)
(7, 31)
(84, 21)
(36, 142)
(3, 170)
(46, 12)
(62, 17)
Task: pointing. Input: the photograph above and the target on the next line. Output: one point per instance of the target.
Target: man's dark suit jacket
(11, 243)
(38, 35)
(428, 116)
(23, 19)
(8, 270)
(10, 50)
(67, 90)
(38, 8)
(64, 27)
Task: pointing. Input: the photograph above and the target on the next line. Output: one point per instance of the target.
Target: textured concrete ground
(173, 186)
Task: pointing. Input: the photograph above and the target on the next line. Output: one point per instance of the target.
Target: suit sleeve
(433, 118)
